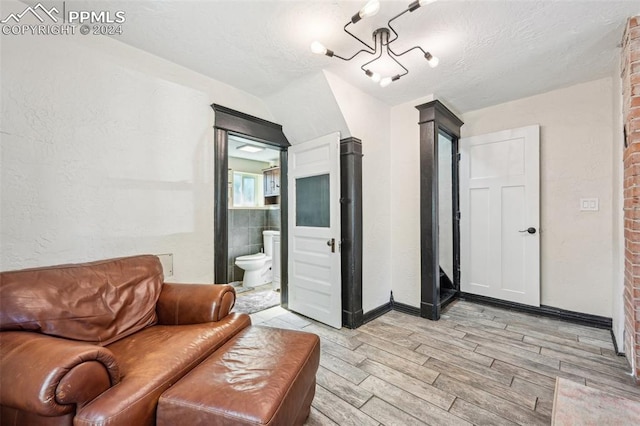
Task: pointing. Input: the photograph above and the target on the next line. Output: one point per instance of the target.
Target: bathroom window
(247, 190)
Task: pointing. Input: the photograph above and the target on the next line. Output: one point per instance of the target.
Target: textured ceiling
(490, 51)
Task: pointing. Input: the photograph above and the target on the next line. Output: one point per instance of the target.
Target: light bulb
(369, 9)
(372, 75)
(432, 60)
(418, 3)
(318, 48)
(385, 82)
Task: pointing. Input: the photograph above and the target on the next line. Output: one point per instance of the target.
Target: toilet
(258, 267)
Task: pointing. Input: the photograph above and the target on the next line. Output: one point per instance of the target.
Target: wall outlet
(589, 204)
(167, 264)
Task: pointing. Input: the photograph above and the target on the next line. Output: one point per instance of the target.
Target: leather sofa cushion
(263, 376)
(151, 361)
(98, 302)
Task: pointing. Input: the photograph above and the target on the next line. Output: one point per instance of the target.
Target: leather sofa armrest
(50, 376)
(194, 303)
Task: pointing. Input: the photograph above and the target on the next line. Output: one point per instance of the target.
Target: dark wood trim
(351, 231)
(434, 118)
(249, 126)
(429, 259)
(615, 344)
(407, 309)
(284, 229)
(547, 311)
(436, 111)
(221, 207)
(376, 312)
(231, 121)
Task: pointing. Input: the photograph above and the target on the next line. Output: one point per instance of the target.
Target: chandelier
(382, 39)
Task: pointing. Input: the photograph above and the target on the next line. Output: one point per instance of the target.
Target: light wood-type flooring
(477, 365)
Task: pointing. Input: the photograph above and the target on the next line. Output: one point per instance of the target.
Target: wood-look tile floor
(477, 365)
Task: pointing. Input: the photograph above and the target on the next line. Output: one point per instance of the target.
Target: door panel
(314, 232)
(479, 238)
(499, 200)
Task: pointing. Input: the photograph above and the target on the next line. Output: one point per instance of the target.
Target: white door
(314, 230)
(500, 215)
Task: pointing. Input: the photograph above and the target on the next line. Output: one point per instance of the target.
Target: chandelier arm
(373, 60)
(406, 71)
(354, 55)
(406, 51)
(352, 35)
(391, 27)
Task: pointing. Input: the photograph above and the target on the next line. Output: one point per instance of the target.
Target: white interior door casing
(314, 222)
(499, 201)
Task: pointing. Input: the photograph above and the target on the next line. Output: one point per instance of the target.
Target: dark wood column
(284, 229)
(434, 118)
(351, 231)
(221, 206)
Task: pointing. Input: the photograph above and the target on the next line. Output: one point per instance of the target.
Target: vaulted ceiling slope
(490, 51)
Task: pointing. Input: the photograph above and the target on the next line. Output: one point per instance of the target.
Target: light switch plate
(589, 204)
(167, 264)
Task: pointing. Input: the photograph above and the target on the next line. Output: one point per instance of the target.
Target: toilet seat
(256, 256)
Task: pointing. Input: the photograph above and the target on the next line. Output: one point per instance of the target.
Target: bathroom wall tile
(258, 218)
(239, 237)
(255, 235)
(238, 273)
(274, 218)
(230, 215)
(242, 218)
(231, 258)
(273, 221)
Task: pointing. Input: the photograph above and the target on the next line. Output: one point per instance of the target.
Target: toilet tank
(267, 240)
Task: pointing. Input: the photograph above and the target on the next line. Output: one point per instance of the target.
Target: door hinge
(458, 215)
(458, 156)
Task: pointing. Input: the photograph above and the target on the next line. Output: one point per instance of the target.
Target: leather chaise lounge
(99, 344)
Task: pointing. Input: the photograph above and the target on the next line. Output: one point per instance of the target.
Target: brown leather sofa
(98, 343)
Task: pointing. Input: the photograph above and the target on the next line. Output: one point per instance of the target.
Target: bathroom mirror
(446, 190)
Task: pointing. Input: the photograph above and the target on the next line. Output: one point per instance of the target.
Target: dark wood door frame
(254, 128)
(434, 119)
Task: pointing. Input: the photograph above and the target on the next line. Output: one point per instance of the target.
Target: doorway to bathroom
(250, 210)
(253, 224)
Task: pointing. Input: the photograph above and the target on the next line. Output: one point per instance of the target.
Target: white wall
(106, 151)
(307, 109)
(405, 202)
(369, 120)
(576, 161)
